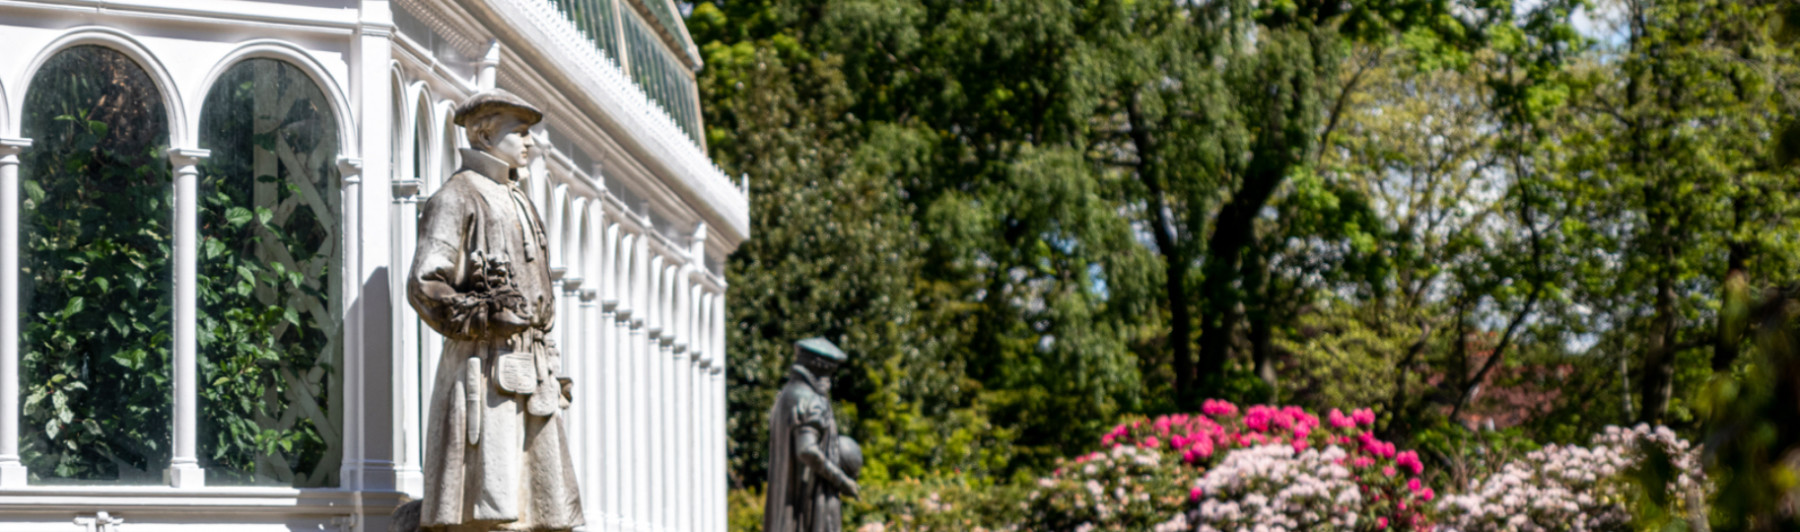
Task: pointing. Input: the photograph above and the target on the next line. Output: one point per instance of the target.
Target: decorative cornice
(468, 46)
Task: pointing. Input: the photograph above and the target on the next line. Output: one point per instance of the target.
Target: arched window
(95, 299)
(270, 287)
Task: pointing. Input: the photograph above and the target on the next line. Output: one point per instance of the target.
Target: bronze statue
(497, 456)
(807, 456)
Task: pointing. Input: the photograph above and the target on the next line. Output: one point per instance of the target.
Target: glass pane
(270, 283)
(94, 272)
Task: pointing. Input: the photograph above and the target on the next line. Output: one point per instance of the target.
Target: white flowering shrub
(1125, 488)
(1567, 487)
(1274, 488)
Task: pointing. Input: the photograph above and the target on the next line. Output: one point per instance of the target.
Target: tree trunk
(1175, 263)
(1261, 315)
(1734, 301)
(1659, 364)
(1233, 235)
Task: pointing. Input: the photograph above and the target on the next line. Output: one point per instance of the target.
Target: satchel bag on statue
(516, 373)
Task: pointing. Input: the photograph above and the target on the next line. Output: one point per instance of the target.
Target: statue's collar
(487, 165)
(800, 373)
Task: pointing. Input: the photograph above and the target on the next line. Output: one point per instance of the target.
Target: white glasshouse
(207, 210)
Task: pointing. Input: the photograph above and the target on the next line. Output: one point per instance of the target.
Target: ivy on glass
(94, 271)
(270, 321)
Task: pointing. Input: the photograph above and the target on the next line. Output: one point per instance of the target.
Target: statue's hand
(850, 489)
(507, 313)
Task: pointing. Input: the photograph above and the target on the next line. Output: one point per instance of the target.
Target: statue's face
(823, 374)
(512, 141)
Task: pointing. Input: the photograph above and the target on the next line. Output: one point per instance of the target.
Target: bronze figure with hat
(810, 464)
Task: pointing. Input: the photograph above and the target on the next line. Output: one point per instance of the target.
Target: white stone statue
(497, 452)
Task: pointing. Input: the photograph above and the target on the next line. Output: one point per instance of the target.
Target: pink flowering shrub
(1285, 469)
(1391, 494)
(1567, 487)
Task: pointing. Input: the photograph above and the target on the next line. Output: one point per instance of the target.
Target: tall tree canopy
(1027, 219)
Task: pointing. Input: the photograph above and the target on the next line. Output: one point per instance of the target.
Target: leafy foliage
(1505, 224)
(95, 252)
(269, 297)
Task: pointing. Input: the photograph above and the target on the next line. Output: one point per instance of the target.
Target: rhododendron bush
(1123, 488)
(1289, 466)
(1567, 487)
(1283, 469)
(1274, 486)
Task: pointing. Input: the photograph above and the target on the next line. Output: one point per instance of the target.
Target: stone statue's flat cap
(822, 349)
(495, 100)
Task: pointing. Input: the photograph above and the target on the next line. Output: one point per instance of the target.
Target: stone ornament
(810, 464)
(497, 454)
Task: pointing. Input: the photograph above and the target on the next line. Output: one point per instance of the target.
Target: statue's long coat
(800, 499)
(519, 475)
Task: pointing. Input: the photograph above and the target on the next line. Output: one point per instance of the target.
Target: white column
(589, 435)
(410, 475)
(587, 387)
(554, 228)
(184, 463)
(578, 416)
(565, 264)
(667, 404)
(679, 449)
(697, 394)
(12, 470)
(608, 383)
(371, 441)
(485, 77)
(683, 448)
(651, 398)
(564, 335)
(630, 405)
(696, 447)
(641, 398)
(717, 481)
(661, 399)
(610, 379)
(702, 450)
(624, 475)
(675, 447)
(710, 477)
(720, 483)
(721, 411)
(690, 439)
